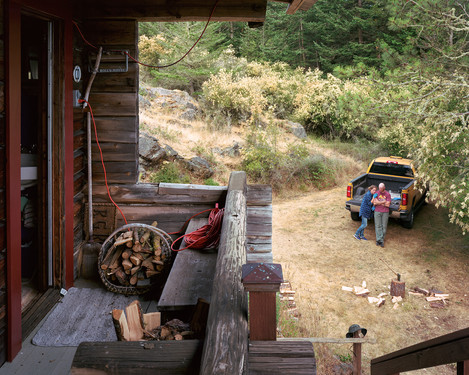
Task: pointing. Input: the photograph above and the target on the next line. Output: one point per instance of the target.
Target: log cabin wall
(3, 331)
(114, 99)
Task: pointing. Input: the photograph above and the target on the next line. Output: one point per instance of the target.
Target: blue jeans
(361, 230)
(381, 224)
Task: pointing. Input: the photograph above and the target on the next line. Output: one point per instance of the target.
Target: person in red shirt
(381, 203)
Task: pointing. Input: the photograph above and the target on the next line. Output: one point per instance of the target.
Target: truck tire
(355, 216)
(408, 224)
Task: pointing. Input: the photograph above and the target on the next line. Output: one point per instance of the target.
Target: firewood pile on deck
(133, 325)
(132, 257)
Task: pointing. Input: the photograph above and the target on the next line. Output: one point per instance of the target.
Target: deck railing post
(357, 355)
(262, 281)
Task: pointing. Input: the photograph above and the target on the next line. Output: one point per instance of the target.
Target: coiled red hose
(207, 236)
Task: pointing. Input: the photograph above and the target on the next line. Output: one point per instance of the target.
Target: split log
(425, 292)
(146, 234)
(135, 260)
(110, 258)
(122, 277)
(133, 280)
(134, 270)
(126, 254)
(151, 320)
(127, 264)
(120, 325)
(134, 320)
(148, 263)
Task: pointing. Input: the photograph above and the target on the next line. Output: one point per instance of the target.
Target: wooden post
(226, 338)
(262, 281)
(357, 355)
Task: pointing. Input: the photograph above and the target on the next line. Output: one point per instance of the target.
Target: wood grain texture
(450, 348)
(191, 275)
(153, 357)
(225, 349)
(184, 10)
(286, 357)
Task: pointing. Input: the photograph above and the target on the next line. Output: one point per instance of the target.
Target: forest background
(392, 73)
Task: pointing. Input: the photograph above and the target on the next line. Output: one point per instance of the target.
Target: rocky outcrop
(199, 167)
(152, 154)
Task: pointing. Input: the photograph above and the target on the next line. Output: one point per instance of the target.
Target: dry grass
(313, 241)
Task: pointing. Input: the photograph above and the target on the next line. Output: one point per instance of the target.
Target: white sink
(28, 168)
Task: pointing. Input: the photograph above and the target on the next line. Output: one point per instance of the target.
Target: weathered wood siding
(169, 204)
(114, 100)
(3, 328)
(259, 224)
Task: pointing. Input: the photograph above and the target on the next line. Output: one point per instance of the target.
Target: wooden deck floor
(48, 360)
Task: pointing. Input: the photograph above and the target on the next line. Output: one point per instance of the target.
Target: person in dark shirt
(366, 212)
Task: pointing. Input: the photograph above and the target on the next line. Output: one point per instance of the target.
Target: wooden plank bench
(191, 276)
(137, 357)
(281, 357)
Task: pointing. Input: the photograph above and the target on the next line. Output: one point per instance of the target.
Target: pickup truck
(398, 176)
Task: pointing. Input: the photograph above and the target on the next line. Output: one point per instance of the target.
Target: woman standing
(366, 212)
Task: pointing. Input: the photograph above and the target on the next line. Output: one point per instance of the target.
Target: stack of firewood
(134, 257)
(133, 325)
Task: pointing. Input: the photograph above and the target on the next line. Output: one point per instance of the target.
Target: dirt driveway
(313, 241)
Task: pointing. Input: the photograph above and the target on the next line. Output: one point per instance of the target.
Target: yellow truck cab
(397, 174)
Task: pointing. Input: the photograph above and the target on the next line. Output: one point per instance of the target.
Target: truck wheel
(355, 216)
(410, 222)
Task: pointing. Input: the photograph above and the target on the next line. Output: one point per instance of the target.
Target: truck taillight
(404, 199)
(349, 191)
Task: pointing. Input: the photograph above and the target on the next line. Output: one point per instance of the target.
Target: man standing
(382, 201)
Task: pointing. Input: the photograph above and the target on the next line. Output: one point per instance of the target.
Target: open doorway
(36, 78)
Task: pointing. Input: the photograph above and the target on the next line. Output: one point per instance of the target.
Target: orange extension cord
(207, 236)
(102, 159)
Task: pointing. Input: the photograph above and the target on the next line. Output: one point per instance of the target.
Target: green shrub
(211, 182)
(170, 173)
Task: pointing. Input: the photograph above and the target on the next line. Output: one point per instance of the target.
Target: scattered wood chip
(381, 302)
(373, 300)
(347, 288)
(396, 305)
(396, 299)
(361, 292)
(425, 292)
(364, 284)
(381, 295)
(437, 305)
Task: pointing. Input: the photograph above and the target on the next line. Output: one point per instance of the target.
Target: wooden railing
(226, 337)
(450, 348)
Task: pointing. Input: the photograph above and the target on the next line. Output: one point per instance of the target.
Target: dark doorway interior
(35, 36)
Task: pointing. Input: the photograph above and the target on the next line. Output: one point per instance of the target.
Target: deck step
(138, 357)
(281, 357)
